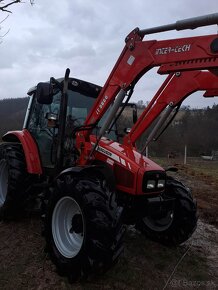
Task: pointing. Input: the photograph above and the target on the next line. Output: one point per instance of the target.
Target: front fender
(29, 147)
(99, 170)
(77, 170)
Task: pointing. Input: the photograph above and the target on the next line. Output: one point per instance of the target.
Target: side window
(43, 134)
(38, 113)
(34, 116)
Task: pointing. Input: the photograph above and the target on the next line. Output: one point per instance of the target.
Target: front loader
(90, 184)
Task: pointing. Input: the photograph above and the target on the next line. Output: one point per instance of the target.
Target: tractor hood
(128, 165)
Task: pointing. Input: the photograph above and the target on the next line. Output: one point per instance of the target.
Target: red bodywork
(183, 59)
(127, 164)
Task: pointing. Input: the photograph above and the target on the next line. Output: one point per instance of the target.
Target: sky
(88, 37)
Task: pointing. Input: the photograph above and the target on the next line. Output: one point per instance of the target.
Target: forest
(12, 113)
(195, 128)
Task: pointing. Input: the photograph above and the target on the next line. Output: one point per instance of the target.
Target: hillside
(12, 113)
(194, 128)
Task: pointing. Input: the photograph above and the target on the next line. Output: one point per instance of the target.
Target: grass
(205, 169)
(196, 166)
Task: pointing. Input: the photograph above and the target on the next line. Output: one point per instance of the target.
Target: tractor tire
(14, 181)
(178, 224)
(83, 227)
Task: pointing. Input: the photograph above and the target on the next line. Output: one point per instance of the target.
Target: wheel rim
(159, 224)
(68, 227)
(3, 181)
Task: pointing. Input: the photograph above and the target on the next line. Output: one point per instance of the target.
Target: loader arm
(138, 57)
(174, 90)
(170, 55)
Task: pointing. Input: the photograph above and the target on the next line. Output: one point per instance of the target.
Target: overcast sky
(86, 36)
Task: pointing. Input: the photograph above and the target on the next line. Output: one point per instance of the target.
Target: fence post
(185, 155)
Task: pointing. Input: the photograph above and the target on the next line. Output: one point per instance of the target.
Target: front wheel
(68, 226)
(83, 227)
(178, 223)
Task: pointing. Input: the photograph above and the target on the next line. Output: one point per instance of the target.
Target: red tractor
(90, 184)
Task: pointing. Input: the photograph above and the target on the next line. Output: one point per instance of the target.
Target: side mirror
(44, 93)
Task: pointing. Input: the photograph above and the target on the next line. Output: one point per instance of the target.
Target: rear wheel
(178, 223)
(14, 180)
(83, 227)
(3, 181)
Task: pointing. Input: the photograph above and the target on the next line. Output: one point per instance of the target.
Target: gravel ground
(144, 264)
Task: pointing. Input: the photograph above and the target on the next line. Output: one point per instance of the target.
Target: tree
(5, 5)
(140, 104)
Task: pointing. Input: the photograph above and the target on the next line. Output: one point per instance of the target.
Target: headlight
(161, 183)
(154, 181)
(151, 184)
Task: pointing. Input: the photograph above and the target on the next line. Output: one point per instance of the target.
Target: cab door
(43, 130)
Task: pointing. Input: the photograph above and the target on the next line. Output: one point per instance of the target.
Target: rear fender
(29, 147)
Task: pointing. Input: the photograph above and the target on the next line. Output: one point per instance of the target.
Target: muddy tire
(14, 181)
(178, 224)
(83, 228)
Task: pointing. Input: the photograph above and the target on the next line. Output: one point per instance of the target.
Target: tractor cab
(53, 119)
(48, 113)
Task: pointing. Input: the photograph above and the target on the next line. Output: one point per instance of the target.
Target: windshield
(78, 108)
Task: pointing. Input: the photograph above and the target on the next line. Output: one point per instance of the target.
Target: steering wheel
(77, 120)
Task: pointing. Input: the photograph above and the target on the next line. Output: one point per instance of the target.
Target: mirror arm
(54, 81)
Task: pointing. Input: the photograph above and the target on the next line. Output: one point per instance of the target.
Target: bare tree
(5, 5)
